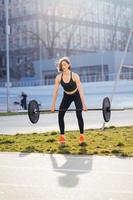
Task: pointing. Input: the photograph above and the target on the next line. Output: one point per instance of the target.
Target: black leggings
(66, 101)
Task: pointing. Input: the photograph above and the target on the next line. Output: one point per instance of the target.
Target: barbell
(34, 111)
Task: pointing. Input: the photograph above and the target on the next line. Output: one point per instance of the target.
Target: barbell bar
(34, 111)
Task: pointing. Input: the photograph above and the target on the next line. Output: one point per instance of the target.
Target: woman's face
(65, 66)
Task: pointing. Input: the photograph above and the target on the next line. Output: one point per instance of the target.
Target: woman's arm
(80, 89)
(55, 93)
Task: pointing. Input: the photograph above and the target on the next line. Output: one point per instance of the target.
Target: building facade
(92, 67)
(45, 29)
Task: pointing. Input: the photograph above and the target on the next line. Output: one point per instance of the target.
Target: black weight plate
(33, 111)
(106, 107)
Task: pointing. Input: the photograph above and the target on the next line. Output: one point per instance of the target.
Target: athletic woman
(73, 92)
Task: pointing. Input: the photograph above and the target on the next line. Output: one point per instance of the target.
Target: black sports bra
(70, 86)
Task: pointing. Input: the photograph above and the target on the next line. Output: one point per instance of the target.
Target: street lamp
(7, 53)
(102, 64)
(40, 61)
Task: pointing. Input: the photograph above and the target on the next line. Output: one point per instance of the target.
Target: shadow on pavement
(71, 168)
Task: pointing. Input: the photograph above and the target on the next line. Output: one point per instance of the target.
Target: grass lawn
(13, 113)
(111, 141)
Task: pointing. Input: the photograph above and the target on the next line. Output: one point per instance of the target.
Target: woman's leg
(78, 105)
(66, 101)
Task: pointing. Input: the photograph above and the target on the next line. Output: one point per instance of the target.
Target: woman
(73, 91)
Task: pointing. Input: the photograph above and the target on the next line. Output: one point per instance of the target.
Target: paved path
(63, 177)
(48, 122)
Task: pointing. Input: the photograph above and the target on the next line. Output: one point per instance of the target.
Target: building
(46, 29)
(92, 67)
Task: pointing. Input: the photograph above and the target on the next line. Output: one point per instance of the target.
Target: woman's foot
(81, 139)
(61, 139)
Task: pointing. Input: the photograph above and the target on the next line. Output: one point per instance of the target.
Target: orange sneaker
(61, 139)
(81, 139)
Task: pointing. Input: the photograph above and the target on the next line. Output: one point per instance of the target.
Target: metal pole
(40, 43)
(121, 65)
(119, 70)
(102, 65)
(7, 54)
(40, 62)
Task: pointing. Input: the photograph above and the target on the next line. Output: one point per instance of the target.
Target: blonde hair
(59, 64)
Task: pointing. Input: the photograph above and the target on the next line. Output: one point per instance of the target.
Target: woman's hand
(53, 108)
(85, 108)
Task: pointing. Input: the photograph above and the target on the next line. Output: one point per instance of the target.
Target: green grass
(111, 141)
(12, 113)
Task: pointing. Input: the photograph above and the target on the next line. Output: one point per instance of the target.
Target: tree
(68, 26)
(119, 13)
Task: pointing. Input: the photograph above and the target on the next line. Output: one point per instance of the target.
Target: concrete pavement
(49, 122)
(62, 177)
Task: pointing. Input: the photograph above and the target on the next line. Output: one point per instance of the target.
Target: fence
(84, 78)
